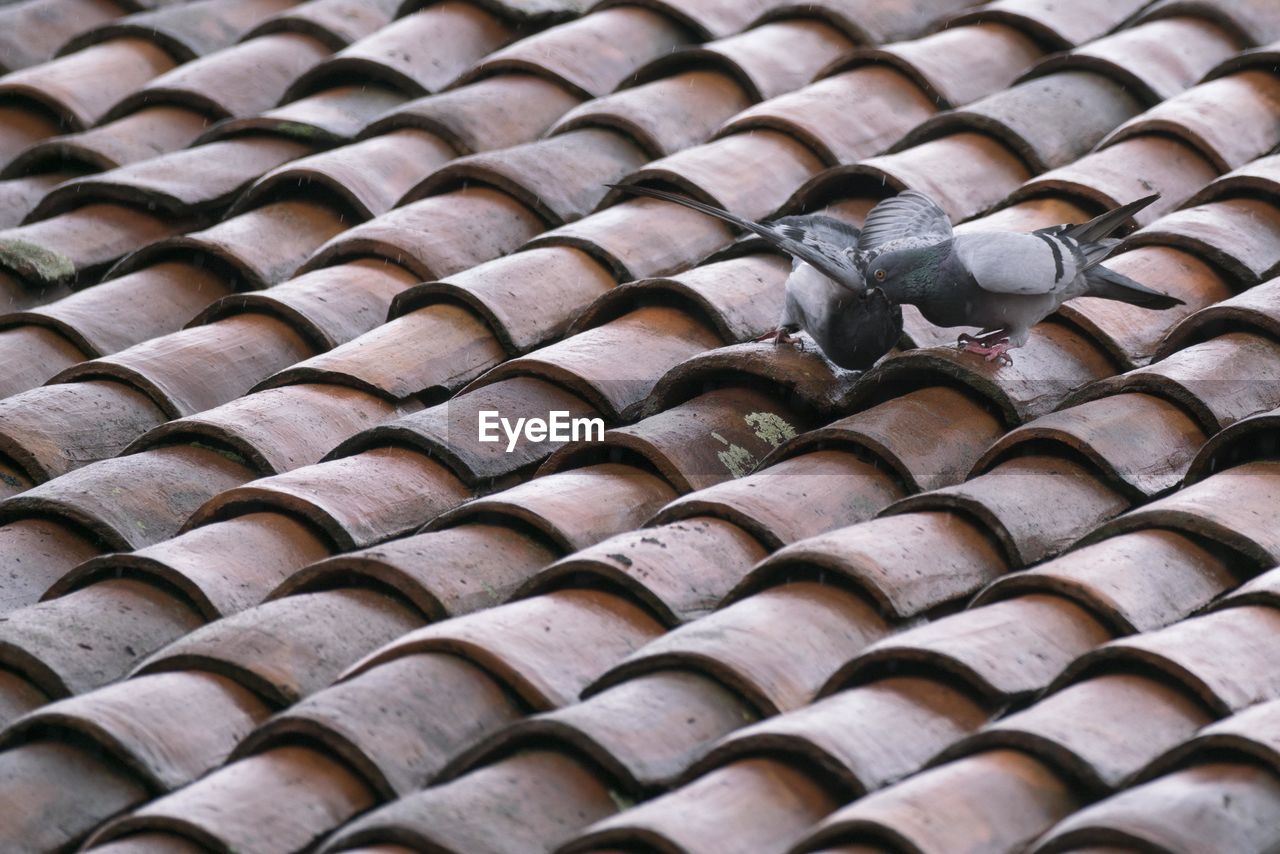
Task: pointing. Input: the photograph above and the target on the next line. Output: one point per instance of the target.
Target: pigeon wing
(1008, 262)
(910, 214)
(834, 259)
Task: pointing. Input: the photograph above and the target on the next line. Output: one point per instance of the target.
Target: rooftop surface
(263, 264)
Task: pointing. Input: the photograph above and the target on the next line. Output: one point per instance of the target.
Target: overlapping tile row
(292, 542)
(499, 663)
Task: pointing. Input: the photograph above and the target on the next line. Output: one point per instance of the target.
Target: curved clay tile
(755, 804)
(1249, 732)
(1250, 439)
(1252, 21)
(846, 117)
(77, 247)
(486, 115)
(902, 723)
(556, 284)
(1246, 60)
(1222, 806)
(1005, 651)
(1126, 171)
(185, 30)
(546, 649)
(63, 792)
(1262, 590)
(1142, 443)
(396, 735)
(1056, 26)
(644, 733)
(20, 196)
(742, 296)
(639, 238)
(1002, 799)
(168, 729)
(775, 649)
(34, 354)
(336, 23)
(1055, 362)
(236, 82)
(572, 509)
(443, 573)
(1096, 733)
(128, 310)
(928, 438)
(1027, 215)
(872, 21)
(256, 803)
(332, 117)
(1239, 235)
(92, 636)
(255, 249)
(289, 648)
(438, 236)
(22, 127)
(45, 551)
(664, 116)
(420, 53)
(1258, 178)
(31, 32)
(328, 307)
(449, 431)
(255, 552)
(614, 367)
(801, 496)
(134, 138)
(956, 65)
(356, 501)
(277, 429)
(190, 182)
(709, 19)
(590, 56)
(427, 351)
(713, 438)
(1219, 382)
(749, 173)
(134, 501)
(966, 173)
(1246, 103)
(51, 430)
(199, 368)
(1024, 117)
(531, 801)
(369, 176)
(1139, 58)
(1034, 505)
(767, 61)
(1140, 581)
(1134, 336)
(908, 564)
(680, 571)
(534, 13)
(562, 177)
(1220, 657)
(79, 88)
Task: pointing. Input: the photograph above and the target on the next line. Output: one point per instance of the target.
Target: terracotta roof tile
(1057, 26)
(1239, 235)
(407, 736)
(1233, 804)
(396, 55)
(337, 23)
(185, 30)
(333, 116)
(1254, 20)
(35, 29)
(45, 551)
(572, 54)
(131, 139)
(870, 21)
(232, 83)
(528, 802)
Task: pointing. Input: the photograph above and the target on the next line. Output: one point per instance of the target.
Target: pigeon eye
(879, 274)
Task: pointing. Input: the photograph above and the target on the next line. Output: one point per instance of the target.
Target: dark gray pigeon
(1002, 282)
(826, 295)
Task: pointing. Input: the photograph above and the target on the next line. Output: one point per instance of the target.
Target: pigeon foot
(993, 351)
(783, 336)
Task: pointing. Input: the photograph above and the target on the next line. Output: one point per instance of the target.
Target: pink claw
(997, 352)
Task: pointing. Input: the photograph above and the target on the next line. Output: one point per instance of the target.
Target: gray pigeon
(1002, 282)
(826, 295)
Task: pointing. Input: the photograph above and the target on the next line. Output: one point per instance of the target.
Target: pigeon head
(904, 272)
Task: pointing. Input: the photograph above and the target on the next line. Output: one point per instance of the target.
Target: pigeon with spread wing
(1003, 282)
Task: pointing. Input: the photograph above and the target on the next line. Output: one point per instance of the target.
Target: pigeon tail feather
(1108, 284)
